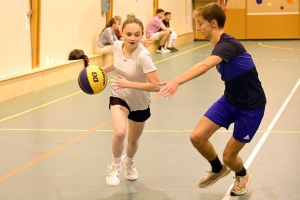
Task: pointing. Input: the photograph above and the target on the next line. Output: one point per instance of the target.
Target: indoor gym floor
(55, 144)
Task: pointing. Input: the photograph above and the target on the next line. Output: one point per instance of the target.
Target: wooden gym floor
(55, 144)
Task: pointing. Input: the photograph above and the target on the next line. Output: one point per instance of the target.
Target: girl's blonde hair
(131, 15)
(117, 17)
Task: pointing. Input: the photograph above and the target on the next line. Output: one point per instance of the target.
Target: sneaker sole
(131, 179)
(233, 194)
(114, 184)
(223, 175)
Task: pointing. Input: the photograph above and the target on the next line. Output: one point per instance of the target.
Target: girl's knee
(133, 142)
(120, 134)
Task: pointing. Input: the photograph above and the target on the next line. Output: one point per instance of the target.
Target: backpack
(77, 54)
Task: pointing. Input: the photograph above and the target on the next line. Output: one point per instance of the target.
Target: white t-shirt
(133, 68)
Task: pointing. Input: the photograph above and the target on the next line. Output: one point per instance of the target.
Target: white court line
(265, 135)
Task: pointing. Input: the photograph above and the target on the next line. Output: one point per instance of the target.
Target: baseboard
(44, 77)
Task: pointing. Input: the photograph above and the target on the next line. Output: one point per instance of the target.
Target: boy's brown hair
(212, 11)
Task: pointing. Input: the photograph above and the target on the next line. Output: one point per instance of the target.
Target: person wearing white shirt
(136, 76)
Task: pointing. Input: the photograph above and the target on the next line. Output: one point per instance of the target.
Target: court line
(43, 105)
(111, 130)
(182, 53)
(59, 148)
(274, 47)
(46, 104)
(265, 135)
(52, 152)
(75, 139)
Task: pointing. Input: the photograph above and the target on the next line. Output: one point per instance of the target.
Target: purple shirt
(153, 26)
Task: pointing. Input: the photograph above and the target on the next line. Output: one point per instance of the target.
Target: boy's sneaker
(172, 49)
(210, 177)
(161, 51)
(130, 171)
(240, 186)
(114, 171)
(167, 50)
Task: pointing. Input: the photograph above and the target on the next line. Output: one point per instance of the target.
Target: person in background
(118, 32)
(107, 36)
(156, 30)
(173, 35)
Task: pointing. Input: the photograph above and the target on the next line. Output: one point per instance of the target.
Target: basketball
(92, 79)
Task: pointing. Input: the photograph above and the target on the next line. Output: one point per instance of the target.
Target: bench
(47, 76)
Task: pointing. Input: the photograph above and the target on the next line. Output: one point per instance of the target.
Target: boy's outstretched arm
(197, 70)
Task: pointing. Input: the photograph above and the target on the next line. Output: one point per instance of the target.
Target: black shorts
(137, 116)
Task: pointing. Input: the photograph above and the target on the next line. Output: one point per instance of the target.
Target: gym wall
(15, 38)
(181, 12)
(272, 19)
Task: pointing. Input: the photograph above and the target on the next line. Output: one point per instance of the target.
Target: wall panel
(142, 9)
(15, 40)
(179, 14)
(272, 26)
(66, 25)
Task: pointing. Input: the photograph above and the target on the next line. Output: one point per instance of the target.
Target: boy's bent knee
(196, 138)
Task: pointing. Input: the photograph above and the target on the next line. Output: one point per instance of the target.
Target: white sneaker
(114, 171)
(161, 51)
(167, 50)
(130, 171)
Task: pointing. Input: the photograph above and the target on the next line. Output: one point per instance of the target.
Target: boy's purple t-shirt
(153, 26)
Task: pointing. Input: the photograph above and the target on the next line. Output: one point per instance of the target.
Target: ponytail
(109, 24)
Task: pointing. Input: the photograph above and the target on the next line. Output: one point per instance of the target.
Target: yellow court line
(111, 130)
(58, 148)
(43, 105)
(263, 45)
(52, 152)
(71, 141)
(182, 53)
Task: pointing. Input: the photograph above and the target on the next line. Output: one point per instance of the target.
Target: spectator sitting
(118, 31)
(144, 41)
(107, 37)
(173, 35)
(153, 32)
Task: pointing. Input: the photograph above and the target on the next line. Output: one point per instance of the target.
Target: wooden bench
(47, 76)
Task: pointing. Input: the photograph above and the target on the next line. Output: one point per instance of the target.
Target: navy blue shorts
(246, 122)
(137, 116)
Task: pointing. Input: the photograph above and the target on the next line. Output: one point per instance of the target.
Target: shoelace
(208, 173)
(111, 168)
(130, 168)
(238, 182)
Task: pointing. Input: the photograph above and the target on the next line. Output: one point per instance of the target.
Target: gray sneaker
(210, 178)
(240, 186)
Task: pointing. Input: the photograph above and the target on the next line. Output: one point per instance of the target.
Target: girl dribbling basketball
(130, 97)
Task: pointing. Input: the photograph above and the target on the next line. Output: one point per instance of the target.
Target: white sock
(128, 160)
(116, 160)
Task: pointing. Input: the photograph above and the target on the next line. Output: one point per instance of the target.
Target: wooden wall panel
(272, 26)
(236, 23)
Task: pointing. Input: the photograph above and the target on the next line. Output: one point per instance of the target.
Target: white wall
(66, 25)
(15, 40)
(143, 9)
(69, 24)
(181, 14)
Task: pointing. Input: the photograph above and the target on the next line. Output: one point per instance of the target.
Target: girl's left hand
(119, 82)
